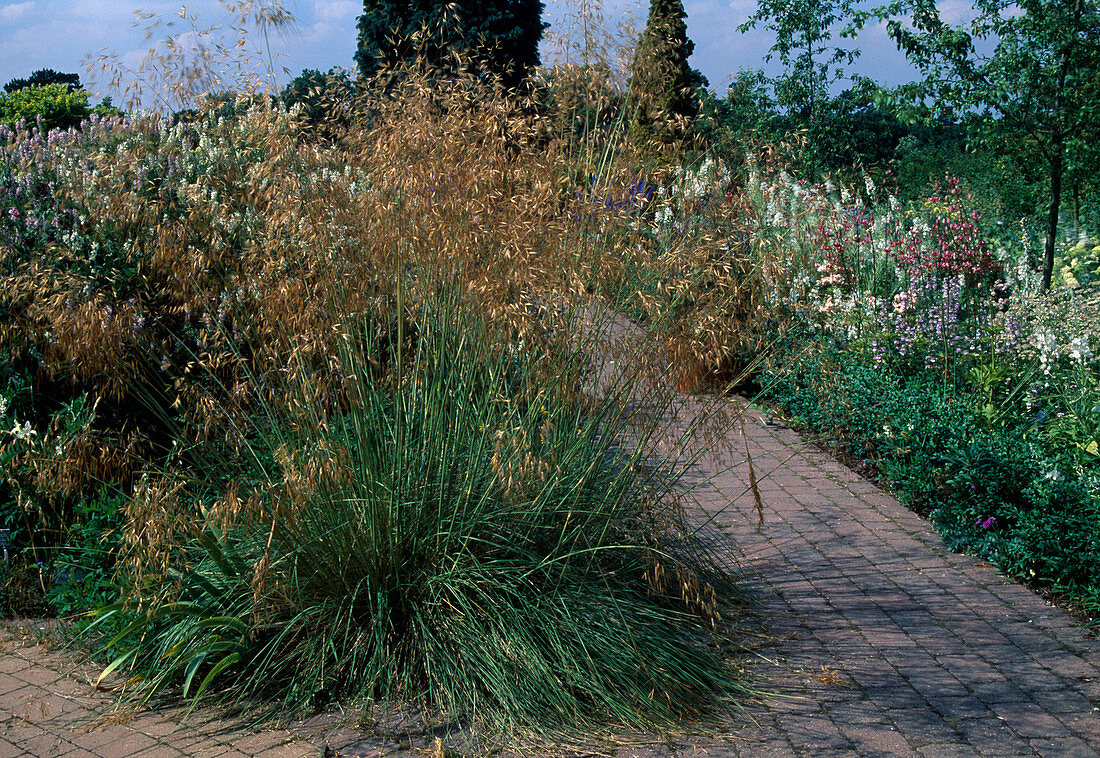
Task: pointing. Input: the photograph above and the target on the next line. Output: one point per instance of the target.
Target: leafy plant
(58, 107)
(43, 77)
(1032, 95)
(499, 39)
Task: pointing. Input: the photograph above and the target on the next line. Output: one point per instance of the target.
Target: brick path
(882, 643)
(891, 644)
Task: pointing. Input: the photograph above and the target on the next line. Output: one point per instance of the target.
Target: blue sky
(38, 34)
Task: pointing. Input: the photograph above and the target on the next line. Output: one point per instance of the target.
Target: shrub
(221, 296)
(498, 39)
(56, 105)
(326, 100)
(43, 77)
(996, 491)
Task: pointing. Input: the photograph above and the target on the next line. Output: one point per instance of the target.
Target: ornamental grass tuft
(468, 531)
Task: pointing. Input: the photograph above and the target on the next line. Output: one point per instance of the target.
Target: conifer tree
(661, 102)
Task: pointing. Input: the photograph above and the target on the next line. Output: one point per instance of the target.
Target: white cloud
(337, 10)
(15, 11)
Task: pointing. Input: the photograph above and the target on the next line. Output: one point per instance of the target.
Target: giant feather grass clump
(467, 531)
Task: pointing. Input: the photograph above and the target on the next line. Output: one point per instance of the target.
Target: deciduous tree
(58, 107)
(803, 35)
(42, 77)
(1023, 73)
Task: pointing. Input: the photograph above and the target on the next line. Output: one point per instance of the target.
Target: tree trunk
(1077, 206)
(1056, 170)
(1058, 148)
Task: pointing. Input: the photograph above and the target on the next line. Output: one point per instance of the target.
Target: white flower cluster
(688, 185)
(1080, 351)
(22, 433)
(1048, 348)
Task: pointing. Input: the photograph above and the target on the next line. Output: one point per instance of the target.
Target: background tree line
(1008, 99)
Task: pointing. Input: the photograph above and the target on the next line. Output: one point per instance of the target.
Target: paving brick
(932, 683)
(261, 743)
(999, 692)
(213, 750)
(923, 726)
(1063, 748)
(1070, 666)
(991, 736)
(949, 750)
(1063, 701)
(8, 750)
(157, 750)
(79, 752)
(38, 676)
(130, 743)
(300, 750)
(44, 745)
(1030, 720)
(868, 740)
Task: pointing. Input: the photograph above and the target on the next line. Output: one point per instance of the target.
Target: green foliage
(106, 108)
(661, 102)
(84, 566)
(747, 114)
(802, 36)
(43, 77)
(466, 537)
(432, 512)
(62, 534)
(850, 132)
(323, 98)
(57, 106)
(853, 130)
(993, 491)
(496, 38)
(1034, 96)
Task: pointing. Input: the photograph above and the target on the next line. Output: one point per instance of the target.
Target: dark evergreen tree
(486, 37)
(42, 77)
(661, 101)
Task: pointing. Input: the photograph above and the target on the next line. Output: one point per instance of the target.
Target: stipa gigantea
(184, 67)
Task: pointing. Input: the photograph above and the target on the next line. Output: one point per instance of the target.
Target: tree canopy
(41, 78)
(1036, 93)
(498, 38)
(661, 102)
(803, 43)
(57, 106)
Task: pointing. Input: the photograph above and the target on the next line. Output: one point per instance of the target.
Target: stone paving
(878, 642)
